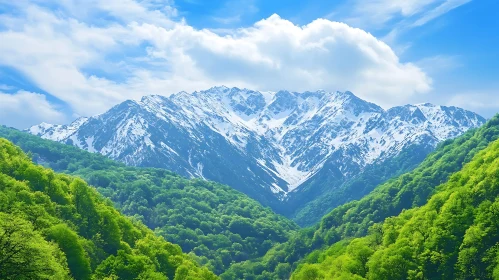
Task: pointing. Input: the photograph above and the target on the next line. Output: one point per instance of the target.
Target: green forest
(218, 225)
(249, 140)
(357, 187)
(454, 235)
(356, 218)
(439, 221)
(55, 226)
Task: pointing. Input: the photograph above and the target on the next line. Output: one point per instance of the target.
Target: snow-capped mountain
(266, 144)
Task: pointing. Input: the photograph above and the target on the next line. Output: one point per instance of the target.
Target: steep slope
(217, 224)
(285, 149)
(455, 235)
(358, 186)
(389, 199)
(54, 226)
(395, 142)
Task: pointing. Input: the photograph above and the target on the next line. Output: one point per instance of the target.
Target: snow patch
(90, 144)
(291, 144)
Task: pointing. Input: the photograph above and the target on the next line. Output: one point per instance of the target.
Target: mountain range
(285, 149)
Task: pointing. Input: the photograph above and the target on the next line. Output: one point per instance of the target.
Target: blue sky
(64, 59)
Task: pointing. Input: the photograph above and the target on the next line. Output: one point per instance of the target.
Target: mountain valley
(249, 140)
(294, 152)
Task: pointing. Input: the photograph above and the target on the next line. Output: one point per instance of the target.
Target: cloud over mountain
(97, 55)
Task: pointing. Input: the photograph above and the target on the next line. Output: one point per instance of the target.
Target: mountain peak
(40, 129)
(265, 144)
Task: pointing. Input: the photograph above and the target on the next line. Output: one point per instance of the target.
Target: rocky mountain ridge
(265, 144)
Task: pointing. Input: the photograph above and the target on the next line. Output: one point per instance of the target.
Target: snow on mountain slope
(264, 144)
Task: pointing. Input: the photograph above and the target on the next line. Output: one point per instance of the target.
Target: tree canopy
(455, 235)
(354, 219)
(54, 226)
(217, 225)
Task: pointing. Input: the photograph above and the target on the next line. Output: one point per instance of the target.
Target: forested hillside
(217, 224)
(55, 226)
(449, 231)
(455, 235)
(355, 218)
(285, 149)
(358, 186)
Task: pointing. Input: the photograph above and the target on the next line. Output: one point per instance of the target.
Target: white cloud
(227, 20)
(275, 54)
(52, 51)
(441, 9)
(24, 109)
(439, 63)
(60, 53)
(4, 87)
(477, 100)
(396, 15)
(367, 13)
(234, 11)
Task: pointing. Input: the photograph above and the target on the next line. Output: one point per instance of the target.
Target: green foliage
(455, 235)
(55, 226)
(335, 192)
(69, 243)
(216, 224)
(224, 229)
(25, 254)
(354, 219)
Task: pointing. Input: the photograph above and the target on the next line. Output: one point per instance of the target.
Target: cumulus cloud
(276, 54)
(24, 109)
(92, 67)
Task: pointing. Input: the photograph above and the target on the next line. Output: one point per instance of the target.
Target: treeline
(239, 239)
(218, 225)
(354, 219)
(335, 193)
(455, 235)
(55, 226)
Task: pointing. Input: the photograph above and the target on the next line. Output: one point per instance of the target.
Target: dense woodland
(354, 219)
(439, 221)
(454, 235)
(55, 226)
(217, 224)
(357, 187)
